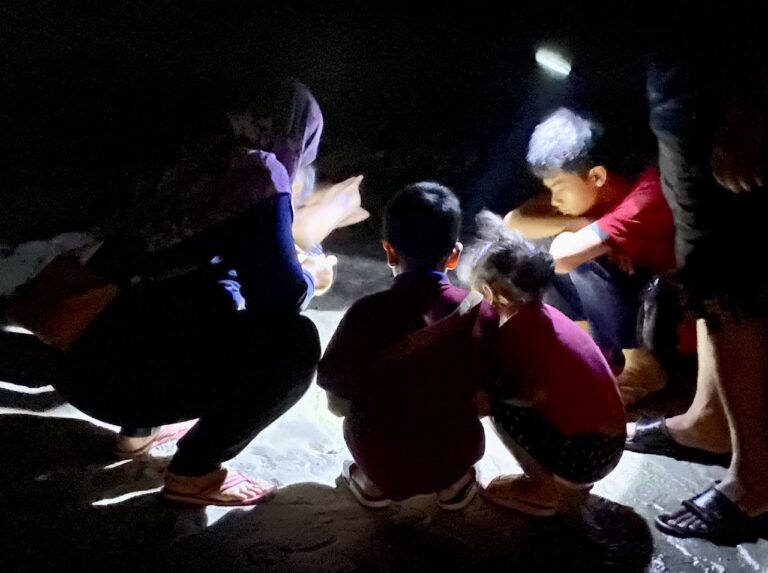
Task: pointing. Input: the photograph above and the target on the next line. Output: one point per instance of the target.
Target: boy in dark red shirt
(611, 238)
(392, 368)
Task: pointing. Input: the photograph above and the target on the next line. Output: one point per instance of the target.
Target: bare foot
(700, 433)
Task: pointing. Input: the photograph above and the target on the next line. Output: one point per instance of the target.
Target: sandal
(464, 496)
(652, 437)
(501, 491)
(225, 492)
(713, 516)
(362, 497)
(169, 433)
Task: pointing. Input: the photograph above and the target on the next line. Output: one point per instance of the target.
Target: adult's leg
(703, 425)
(277, 365)
(138, 366)
(26, 361)
(724, 285)
(742, 363)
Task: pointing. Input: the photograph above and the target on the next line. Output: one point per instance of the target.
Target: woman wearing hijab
(207, 325)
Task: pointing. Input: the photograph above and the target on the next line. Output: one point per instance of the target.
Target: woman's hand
(328, 208)
(322, 269)
(345, 193)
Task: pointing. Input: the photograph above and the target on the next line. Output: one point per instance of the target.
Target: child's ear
(453, 258)
(597, 176)
(392, 258)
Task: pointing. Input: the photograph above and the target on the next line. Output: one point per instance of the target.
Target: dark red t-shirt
(548, 360)
(413, 428)
(640, 225)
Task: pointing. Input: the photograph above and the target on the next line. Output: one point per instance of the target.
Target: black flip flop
(652, 437)
(719, 520)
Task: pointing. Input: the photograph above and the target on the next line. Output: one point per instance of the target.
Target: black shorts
(580, 458)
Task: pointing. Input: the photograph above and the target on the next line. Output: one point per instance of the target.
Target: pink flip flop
(169, 433)
(217, 494)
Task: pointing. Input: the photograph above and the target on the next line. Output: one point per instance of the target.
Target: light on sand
(553, 62)
(15, 329)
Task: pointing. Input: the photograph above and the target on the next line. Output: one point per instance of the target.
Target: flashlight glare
(553, 62)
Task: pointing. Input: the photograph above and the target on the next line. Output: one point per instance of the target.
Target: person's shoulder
(488, 315)
(377, 302)
(644, 196)
(256, 175)
(558, 318)
(453, 293)
(569, 334)
(648, 183)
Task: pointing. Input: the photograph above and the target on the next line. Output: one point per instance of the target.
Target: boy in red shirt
(391, 369)
(611, 238)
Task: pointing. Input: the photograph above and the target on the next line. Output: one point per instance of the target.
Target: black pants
(597, 291)
(137, 368)
(719, 235)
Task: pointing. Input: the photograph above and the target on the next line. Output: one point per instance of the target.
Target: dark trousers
(237, 378)
(609, 299)
(225, 429)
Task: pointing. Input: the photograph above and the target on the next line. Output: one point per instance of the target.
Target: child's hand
(483, 403)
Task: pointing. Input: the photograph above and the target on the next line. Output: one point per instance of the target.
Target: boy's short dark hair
(422, 223)
(565, 141)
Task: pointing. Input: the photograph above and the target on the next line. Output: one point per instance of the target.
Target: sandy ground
(66, 501)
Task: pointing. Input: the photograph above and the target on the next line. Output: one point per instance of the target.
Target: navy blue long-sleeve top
(248, 262)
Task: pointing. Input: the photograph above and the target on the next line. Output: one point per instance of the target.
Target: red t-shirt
(547, 359)
(413, 427)
(640, 225)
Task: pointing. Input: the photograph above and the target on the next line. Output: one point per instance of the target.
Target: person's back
(413, 425)
(566, 375)
(409, 361)
(555, 404)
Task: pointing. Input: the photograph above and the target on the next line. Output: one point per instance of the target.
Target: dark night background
(98, 97)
